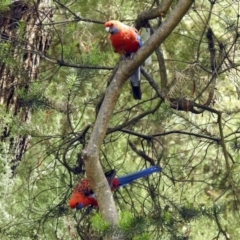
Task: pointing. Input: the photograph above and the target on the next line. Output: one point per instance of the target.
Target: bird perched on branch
(126, 41)
(83, 195)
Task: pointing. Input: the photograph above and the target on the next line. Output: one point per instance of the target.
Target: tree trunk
(21, 36)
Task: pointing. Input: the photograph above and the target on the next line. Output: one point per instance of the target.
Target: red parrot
(83, 196)
(126, 41)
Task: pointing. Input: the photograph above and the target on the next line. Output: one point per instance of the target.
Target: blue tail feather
(131, 177)
(135, 78)
(135, 82)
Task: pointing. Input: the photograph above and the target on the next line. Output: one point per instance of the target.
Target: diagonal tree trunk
(21, 36)
(125, 69)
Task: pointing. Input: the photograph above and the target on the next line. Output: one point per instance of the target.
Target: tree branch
(126, 68)
(153, 136)
(160, 11)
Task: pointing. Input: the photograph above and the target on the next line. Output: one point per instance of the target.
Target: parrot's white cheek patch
(107, 29)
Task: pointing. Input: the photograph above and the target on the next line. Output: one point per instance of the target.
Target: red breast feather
(76, 199)
(125, 41)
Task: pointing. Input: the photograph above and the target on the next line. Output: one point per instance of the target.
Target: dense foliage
(197, 196)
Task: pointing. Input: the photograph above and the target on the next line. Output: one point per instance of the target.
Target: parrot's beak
(107, 29)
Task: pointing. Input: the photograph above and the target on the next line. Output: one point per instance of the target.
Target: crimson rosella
(83, 196)
(126, 41)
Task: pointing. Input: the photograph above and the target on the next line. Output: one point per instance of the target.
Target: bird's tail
(131, 177)
(135, 83)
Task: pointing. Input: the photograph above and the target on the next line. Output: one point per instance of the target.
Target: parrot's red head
(78, 201)
(113, 26)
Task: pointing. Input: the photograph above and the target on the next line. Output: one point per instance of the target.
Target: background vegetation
(188, 124)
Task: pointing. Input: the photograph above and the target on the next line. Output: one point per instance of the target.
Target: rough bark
(21, 32)
(126, 68)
